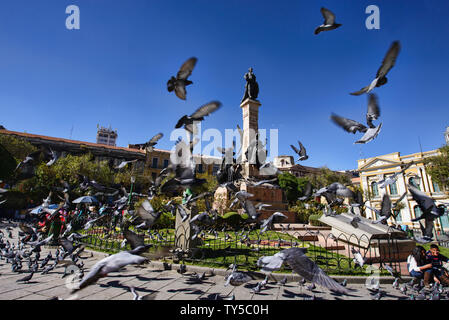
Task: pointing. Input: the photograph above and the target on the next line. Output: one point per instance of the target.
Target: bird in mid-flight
(179, 83)
(381, 76)
(329, 21)
(352, 126)
(302, 153)
(188, 122)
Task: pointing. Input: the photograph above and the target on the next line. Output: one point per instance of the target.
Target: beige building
(287, 164)
(373, 170)
(153, 162)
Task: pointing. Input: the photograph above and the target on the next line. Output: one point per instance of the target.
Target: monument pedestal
(250, 110)
(183, 231)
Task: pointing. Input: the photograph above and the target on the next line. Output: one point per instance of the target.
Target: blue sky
(113, 71)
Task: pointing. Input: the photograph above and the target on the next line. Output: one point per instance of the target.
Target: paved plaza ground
(153, 281)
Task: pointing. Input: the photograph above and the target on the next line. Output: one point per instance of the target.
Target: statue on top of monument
(251, 87)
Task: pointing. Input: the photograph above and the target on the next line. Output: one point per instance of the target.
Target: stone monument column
(250, 110)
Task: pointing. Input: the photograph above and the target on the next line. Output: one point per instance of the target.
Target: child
(436, 260)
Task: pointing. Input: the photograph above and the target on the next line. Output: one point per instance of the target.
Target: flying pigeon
(329, 21)
(301, 151)
(392, 179)
(188, 122)
(111, 264)
(384, 212)
(179, 83)
(352, 126)
(301, 264)
(358, 259)
(124, 164)
(267, 223)
(388, 63)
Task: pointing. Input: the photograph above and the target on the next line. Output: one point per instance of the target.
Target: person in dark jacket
(436, 259)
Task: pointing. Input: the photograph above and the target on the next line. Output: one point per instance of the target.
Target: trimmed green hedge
(314, 220)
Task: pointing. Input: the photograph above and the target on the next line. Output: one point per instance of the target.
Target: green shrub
(313, 220)
(165, 221)
(234, 219)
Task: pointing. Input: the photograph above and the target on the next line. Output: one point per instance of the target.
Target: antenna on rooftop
(420, 146)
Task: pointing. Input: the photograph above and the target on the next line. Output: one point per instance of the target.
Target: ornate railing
(243, 247)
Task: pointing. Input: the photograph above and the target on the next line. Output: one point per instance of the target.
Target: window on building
(200, 168)
(374, 189)
(398, 216)
(417, 211)
(436, 187)
(215, 169)
(154, 176)
(166, 162)
(393, 189)
(155, 162)
(414, 182)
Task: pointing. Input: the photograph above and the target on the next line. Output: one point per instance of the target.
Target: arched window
(397, 214)
(374, 189)
(417, 211)
(393, 189)
(415, 182)
(436, 187)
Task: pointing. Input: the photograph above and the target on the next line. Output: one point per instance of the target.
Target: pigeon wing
(206, 110)
(187, 68)
(309, 270)
(295, 149)
(389, 60)
(181, 92)
(373, 108)
(386, 206)
(147, 213)
(360, 92)
(133, 239)
(302, 151)
(424, 201)
(66, 244)
(156, 138)
(348, 124)
(329, 17)
(271, 263)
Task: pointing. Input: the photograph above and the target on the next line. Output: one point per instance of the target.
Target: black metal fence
(333, 253)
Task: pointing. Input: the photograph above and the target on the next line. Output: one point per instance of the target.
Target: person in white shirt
(418, 266)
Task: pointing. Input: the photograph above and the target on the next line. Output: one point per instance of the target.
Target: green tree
(438, 167)
(17, 147)
(325, 177)
(289, 184)
(8, 163)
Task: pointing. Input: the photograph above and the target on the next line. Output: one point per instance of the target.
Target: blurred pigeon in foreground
(301, 264)
(388, 63)
(111, 264)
